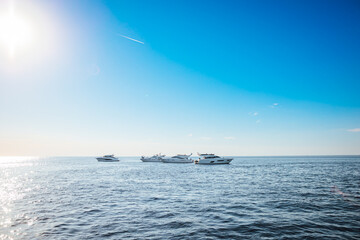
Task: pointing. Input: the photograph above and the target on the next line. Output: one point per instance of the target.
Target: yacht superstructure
(155, 158)
(180, 158)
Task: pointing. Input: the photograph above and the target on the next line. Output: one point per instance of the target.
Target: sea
(297, 197)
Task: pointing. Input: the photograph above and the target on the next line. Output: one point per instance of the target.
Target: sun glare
(15, 32)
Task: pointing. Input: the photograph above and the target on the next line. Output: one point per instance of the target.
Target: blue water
(252, 198)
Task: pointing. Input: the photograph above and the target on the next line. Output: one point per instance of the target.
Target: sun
(15, 31)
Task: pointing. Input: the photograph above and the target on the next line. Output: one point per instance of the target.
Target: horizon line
(241, 156)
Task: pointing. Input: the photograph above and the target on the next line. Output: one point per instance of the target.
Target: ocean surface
(252, 198)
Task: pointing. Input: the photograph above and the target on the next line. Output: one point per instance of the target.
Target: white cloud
(354, 130)
(229, 138)
(190, 135)
(274, 105)
(254, 114)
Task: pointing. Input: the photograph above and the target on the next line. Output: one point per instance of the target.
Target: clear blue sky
(229, 77)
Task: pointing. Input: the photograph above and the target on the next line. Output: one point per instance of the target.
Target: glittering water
(257, 198)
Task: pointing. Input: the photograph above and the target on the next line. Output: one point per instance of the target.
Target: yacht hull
(150, 160)
(177, 161)
(107, 160)
(213, 161)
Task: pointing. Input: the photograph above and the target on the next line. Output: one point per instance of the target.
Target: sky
(246, 78)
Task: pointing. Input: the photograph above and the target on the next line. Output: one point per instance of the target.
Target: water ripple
(253, 198)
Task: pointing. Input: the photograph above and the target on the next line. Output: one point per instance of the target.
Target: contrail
(131, 39)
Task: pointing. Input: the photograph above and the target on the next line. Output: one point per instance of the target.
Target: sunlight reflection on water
(11, 160)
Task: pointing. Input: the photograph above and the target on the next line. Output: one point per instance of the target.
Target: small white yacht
(108, 158)
(155, 158)
(180, 158)
(211, 159)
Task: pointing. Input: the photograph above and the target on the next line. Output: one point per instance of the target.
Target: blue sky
(229, 77)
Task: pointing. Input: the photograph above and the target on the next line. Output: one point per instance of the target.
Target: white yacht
(108, 158)
(155, 158)
(210, 159)
(180, 158)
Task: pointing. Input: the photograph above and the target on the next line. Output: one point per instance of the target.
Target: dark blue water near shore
(252, 198)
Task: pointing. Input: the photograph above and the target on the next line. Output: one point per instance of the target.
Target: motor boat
(155, 158)
(211, 159)
(180, 158)
(108, 158)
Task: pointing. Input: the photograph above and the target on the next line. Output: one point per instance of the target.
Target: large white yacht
(108, 158)
(180, 158)
(211, 159)
(155, 158)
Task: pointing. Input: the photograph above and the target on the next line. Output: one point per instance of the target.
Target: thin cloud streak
(132, 39)
(354, 130)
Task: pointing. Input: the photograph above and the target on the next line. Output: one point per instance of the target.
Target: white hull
(150, 160)
(170, 160)
(213, 161)
(107, 160)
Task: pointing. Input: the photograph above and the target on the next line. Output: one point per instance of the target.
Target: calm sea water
(252, 198)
